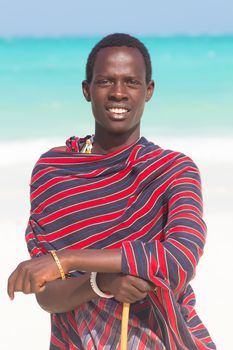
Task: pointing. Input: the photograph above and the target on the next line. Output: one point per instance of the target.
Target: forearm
(61, 296)
(99, 260)
(32, 276)
(42, 277)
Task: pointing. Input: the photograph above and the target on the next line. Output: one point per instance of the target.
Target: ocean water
(41, 97)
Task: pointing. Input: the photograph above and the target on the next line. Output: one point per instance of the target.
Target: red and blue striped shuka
(146, 201)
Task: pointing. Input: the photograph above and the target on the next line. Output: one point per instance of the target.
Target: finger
(18, 287)
(37, 285)
(141, 284)
(11, 283)
(129, 298)
(136, 295)
(26, 283)
(131, 294)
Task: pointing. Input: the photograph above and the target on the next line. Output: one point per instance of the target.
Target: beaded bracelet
(96, 288)
(57, 261)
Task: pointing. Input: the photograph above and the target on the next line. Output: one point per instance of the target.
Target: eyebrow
(108, 76)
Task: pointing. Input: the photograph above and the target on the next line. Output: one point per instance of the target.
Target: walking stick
(124, 325)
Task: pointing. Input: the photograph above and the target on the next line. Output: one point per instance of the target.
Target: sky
(142, 17)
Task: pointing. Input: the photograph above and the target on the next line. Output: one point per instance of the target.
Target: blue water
(40, 87)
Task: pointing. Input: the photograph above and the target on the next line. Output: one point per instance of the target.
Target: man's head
(118, 85)
(118, 40)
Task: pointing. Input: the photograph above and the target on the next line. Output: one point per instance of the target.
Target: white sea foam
(213, 149)
(26, 151)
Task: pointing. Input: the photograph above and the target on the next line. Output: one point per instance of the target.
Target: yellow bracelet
(57, 261)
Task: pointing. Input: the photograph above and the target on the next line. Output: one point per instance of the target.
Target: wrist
(96, 289)
(65, 257)
(101, 282)
(59, 265)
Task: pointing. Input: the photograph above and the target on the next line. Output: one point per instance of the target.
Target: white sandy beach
(25, 326)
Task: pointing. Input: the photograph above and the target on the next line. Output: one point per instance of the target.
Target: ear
(150, 90)
(86, 90)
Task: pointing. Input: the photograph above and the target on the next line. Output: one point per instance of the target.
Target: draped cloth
(145, 201)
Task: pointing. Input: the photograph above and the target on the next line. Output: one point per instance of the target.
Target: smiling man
(115, 218)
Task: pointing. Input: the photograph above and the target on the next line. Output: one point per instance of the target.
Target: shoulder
(47, 161)
(58, 149)
(169, 163)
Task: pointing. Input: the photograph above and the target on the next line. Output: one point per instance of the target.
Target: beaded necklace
(87, 146)
(80, 145)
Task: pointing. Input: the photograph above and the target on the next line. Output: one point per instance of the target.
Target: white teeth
(118, 110)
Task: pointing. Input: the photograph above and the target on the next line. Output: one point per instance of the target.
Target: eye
(133, 82)
(103, 82)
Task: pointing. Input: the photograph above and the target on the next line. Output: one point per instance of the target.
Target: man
(134, 207)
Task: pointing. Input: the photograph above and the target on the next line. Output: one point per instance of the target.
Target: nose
(118, 92)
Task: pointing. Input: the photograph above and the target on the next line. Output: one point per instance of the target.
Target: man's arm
(171, 262)
(31, 276)
(61, 296)
(41, 276)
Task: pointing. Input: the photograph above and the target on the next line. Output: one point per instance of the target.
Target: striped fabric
(146, 201)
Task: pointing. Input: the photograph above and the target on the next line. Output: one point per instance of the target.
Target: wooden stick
(124, 326)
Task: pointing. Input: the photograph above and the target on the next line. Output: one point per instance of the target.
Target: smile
(117, 113)
(117, 110)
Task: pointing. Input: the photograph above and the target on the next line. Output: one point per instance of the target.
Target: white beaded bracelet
(96, 288)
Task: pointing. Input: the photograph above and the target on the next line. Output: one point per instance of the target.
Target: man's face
(118, 90)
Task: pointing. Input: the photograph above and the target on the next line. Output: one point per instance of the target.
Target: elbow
(43, 305)
(54, 307)
(51, 309)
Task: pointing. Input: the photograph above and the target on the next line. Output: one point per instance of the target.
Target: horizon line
(73, 36)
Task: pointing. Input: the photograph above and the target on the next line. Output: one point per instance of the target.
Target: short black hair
(118, 39)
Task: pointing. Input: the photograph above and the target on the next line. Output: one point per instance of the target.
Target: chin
(117, 131)
(117, 128)
(121, 130)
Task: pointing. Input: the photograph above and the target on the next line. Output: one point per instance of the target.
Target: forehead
(119, 60)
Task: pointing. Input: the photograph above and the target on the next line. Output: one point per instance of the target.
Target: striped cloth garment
(144, 200)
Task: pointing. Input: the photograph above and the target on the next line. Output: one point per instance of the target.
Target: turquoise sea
(41, 97)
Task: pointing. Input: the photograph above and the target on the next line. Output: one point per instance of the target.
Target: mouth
(117, 113)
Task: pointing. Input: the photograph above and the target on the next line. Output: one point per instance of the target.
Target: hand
(125, 288)
(30, 276)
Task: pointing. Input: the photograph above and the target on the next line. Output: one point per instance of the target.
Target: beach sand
(25, 326)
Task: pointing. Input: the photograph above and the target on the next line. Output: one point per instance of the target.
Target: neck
(106, 142)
